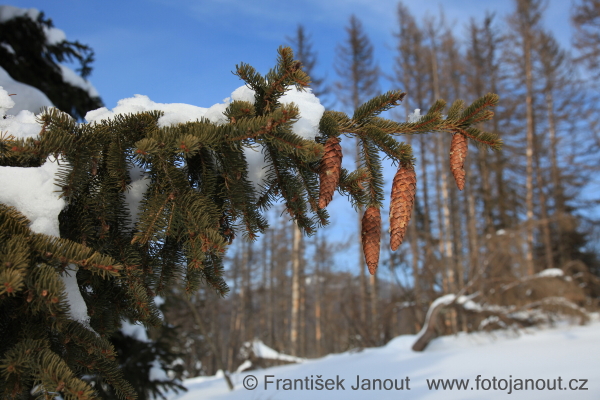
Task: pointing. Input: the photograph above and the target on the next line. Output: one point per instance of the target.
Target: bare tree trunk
(218, 357)
(413, 236)
(264, 311)
(374, 323)
(317, 285)
(454, 73)
(413, 70)
(302, 330)
(440, 220)
(318, 330)
(282, 287)
(543, 212)
(445, 231)
(414, 246)
(447, 243)
(247, 327)
(356, 66)
(272, 302)
(472, 227)
(442, 191)
(427, 224)
(296, 282)
(556, 183)
(527, 49)
(235, 322)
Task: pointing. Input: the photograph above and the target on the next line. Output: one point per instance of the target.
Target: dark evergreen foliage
(35, 62)
(136, 359)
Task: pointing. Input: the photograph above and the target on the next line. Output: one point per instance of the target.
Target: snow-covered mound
(556, 363)
(25, 97)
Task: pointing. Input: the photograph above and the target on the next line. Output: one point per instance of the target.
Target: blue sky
(183, 51)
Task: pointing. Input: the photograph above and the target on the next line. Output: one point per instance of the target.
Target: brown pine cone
(458, 154)
(371, 237)
(329, 171)
(404, 189)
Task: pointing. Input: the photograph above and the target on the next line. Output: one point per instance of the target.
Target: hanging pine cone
(371, 236)
(404, 189)
(329, 170)
(458, 154)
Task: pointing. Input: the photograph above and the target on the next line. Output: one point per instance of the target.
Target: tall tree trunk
(235, 321)
(218, 357)
(445, 231)
(317, 276)
(247, 327)
(527, 50)
(472, 227)
(453, 68)
(356, 66)
(545, 220)
(264, 299)
(271, 305)
(374, 320)
(414, 247)
(557, 189)
(413, 71)
(428, 235)
(296, 290)
(302, 327)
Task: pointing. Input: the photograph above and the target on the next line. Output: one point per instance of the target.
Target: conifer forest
(472, 183)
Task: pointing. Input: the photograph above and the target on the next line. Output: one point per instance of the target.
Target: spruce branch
(328, 125)
(377, 105)
(369, 155)
(482, 139)
(286, 72)
(198, 200)
(249, 75)
(478, 111)
(353, 185)
(455, 109)
(255, 128)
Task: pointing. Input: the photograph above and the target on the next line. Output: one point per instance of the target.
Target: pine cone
(458, 154)
(329, 171)
(404, 189)
(371, 237)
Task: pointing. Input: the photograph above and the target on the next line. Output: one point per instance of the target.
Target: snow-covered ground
(565, 357)
(535, 364)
